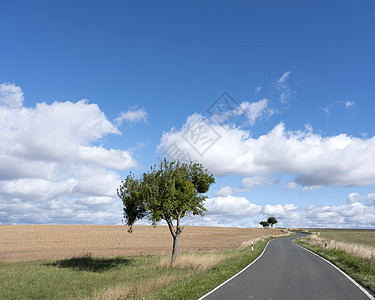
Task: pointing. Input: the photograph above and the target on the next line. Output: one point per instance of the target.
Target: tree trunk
(176, 246)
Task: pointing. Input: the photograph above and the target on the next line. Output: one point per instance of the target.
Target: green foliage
(272, 221)
(169, 192)
(264, 223)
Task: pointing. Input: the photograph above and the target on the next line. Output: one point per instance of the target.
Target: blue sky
(92, 90)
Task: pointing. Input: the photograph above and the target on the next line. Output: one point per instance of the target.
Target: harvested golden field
(46, 242)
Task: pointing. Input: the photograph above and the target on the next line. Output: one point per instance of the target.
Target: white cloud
(224, 191)
(353, 197)
(11, 95)
(114, 159)
(49, 169)
(291, 186)
(339, 104)
(350, 215)
(314, 160)
(283, 88)
(349, 104)
(240, 212)
(354, 215)
(229, 211)
(247, 184)
(255, 110)
(231, 206)
(132, 116)
(289, 211)
(310, 188)
(284, 77)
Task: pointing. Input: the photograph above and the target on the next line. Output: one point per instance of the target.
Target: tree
(271, 221)
(264, 223)
(170, 193)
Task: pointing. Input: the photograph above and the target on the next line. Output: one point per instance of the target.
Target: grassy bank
(133, 277)
(362, 237)
(359, 268)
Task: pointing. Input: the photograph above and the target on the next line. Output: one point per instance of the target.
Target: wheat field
(46, 242)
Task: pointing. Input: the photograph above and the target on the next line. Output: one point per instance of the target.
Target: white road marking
(225, 282)
(342, 272)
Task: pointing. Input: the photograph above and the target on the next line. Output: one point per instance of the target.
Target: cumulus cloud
(230, 211)
(247, 184)
(11, 95)
(48, 161)
(353, 198)
(231, 205)
(240, 212)
(353, 214)
(255, 110)
(289, 211)
(313, 159)
(134, 116)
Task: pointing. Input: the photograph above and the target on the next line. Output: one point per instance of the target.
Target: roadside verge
(365, 291)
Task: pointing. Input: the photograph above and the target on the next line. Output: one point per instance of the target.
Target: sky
(275, 98)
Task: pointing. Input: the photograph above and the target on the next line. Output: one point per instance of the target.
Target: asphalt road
(285, 271)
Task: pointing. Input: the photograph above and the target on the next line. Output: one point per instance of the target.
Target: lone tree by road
(170, 193)
(271, 221)
(264, 224)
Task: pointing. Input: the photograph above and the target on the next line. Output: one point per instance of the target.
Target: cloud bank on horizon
(50, 169)
(55, 169)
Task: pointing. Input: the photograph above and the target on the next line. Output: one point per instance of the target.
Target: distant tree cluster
(270, 221)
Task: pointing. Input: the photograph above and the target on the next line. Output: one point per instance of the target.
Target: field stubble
(48, 242)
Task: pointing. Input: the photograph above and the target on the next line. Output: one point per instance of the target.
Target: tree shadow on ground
(89, 264)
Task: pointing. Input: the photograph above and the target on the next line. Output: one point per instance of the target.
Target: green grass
(364, 237)
(201, 283)
(83, 277)
(70, 279)
(360, 269)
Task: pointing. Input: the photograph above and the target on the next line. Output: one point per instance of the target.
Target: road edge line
(342, 272)
(235, 275)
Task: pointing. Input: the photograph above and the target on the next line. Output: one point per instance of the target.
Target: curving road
(286, 271)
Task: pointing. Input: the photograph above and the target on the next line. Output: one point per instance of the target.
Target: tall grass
(137, 290)
(194, 261)
(354, 249)
(363, 237)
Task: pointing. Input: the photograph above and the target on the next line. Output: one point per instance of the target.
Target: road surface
(286, 271)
